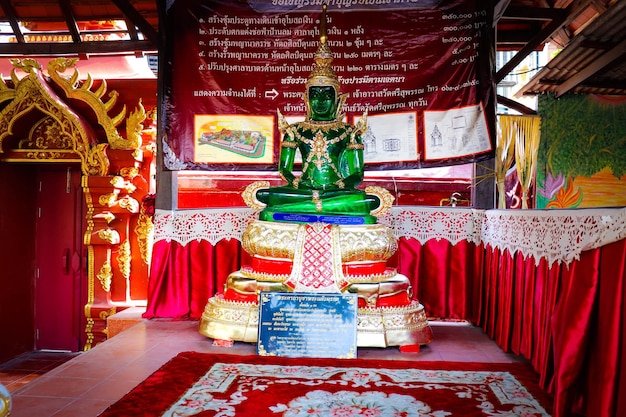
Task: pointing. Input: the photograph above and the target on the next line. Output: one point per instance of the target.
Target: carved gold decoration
(96, 162)
(376, 327)
(134, 127)
(109, 235)
(228, 320)
(105, 276)
(90, 293)
(260, 276)
(123, 259)
(107, 200)
(109, 217)
(83, 93)
(32, 96)
(130, 204)
(129, 172)
(386, 200)
(104, 315)
(362, 243)
(117, 181)
(145, 236)
(43, 155)
(393, 326)
(47, 134)
(270, 239)
(249, 194)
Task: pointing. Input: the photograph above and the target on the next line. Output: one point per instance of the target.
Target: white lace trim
(212, 225)
(556, 235)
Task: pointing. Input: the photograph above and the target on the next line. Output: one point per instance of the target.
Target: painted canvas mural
(582, 154)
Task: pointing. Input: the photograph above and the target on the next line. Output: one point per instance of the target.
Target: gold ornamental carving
(108, 235)
(47, 134)
(249, 194)
(271, 240)
(107, 200)
(129, 204)
(362, 243)
(124, 257)
(105, 276)
(145, 236)
(31, 96)
(134, 128)
(82, 92)
(386, 200)
(129, 172)
(43, 155)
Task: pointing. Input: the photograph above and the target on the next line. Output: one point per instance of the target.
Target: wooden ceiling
(78, 27)
(590, 33)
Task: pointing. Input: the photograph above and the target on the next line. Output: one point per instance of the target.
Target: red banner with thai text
(423, 71)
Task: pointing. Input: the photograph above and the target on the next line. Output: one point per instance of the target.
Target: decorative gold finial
(323, 74)
(323, 34)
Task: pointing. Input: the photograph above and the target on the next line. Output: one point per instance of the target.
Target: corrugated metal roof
(593, 62)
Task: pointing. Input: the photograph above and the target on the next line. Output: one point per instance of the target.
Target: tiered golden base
(387, 315)
(376, 327)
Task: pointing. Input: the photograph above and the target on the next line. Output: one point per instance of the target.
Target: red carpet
(198, 384)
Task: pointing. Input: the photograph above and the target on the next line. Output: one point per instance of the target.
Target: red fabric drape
(568, 320)
(184, 277)
(517, 302)
(442, 275)
(589, 329)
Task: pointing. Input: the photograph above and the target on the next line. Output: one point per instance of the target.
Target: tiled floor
(27, 367)
(89, 382)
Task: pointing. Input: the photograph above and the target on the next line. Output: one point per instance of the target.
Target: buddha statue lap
(319, 232)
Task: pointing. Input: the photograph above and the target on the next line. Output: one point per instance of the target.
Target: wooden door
(58, 259)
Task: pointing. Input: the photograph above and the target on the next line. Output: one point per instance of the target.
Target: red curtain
(443, 276)
(568, 320)
(184, 277)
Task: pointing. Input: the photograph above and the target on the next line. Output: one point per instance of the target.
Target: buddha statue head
(322, 97)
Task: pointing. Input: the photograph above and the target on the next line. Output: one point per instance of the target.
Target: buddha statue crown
(323, 74)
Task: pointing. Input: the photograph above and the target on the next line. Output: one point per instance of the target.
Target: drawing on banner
(234, 138)
(455, 133)
(390, 137)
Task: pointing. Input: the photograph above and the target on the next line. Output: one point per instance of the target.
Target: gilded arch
(57, 118)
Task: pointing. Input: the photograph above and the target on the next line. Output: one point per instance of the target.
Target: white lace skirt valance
(556, 235)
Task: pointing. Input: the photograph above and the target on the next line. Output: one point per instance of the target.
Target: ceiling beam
(137, 19)
(9, 12)
(532, 13)
(70, 21)
(532, 44)
(514, 105)
(96, 47)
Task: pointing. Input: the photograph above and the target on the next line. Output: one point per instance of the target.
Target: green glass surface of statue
(332, 164)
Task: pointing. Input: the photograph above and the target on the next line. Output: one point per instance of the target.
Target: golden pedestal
(320, 257)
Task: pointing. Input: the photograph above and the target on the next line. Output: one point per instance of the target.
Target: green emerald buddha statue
(332, 155)
(319, 233)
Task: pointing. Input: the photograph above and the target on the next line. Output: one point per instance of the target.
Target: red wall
(17, 259)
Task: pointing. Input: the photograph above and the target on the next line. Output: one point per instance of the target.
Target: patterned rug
(197, 384)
